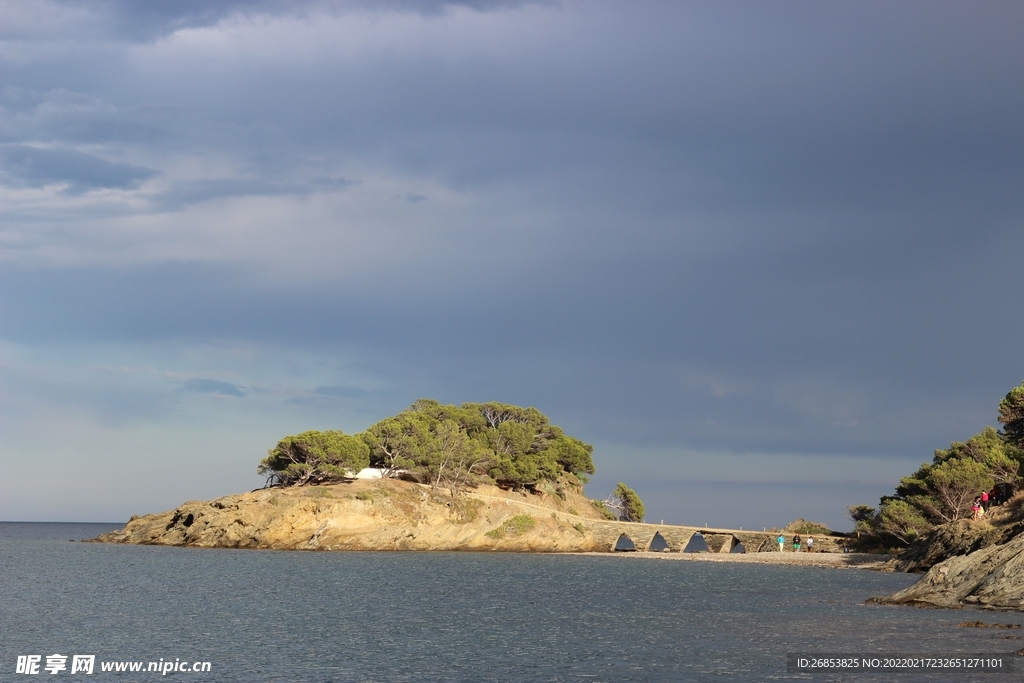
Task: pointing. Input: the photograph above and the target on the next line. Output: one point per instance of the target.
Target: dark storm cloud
(888, 352)
(36, 167)
(784, 228)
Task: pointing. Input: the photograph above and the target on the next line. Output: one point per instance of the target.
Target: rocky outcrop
(991, 577)
(360, 515)
(952, 540)
(388, 514)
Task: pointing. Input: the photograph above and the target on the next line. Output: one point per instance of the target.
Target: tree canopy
(497, 442)
(625, 504)
(314, 457)
(943, 490)
(1011, 416)
(441, 445)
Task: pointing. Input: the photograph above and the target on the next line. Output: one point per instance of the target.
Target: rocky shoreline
(967, 563)
(991, 577)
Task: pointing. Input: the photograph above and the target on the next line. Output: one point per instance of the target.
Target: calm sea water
(303, 616)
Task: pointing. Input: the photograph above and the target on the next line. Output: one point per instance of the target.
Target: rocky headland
(390, 514)
(968, 562)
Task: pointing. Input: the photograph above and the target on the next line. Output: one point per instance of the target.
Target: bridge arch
(624, 544)
(696, 544)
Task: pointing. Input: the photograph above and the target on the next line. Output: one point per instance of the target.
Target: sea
(254, 616)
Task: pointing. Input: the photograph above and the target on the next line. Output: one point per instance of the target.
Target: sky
(764, 256)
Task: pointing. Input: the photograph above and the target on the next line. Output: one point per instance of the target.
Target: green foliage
(603, 509)
(901, 520)
(364, 495)
(458, 445)
(578, 526)
(520, 524)
(630, 507)
(318, 492)
(861, 513)
(514, 526)
(442, 445)
(956, 482)
(944, 489)
(802, 526)
(1011, 416)
(314, 457)
(988, 448)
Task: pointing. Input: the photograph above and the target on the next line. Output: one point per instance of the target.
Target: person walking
(984, 501)
(796, 543)
(782, 543)
(810, 544)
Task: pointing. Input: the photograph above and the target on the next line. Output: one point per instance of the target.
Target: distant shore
(833, 560)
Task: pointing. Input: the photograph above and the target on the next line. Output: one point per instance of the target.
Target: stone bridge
(718, 540)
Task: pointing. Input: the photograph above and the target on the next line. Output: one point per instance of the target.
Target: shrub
(519, 524)
(804, 527)
(314, 458)
(603, 509)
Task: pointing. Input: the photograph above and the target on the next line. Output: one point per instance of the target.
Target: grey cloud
(819, 204)
(613, 345)
(341, 391)
(81, 118)
(183, 194)
(332, 183)
(212, 386)
(151, 20)
(36, 167)
(190, 192)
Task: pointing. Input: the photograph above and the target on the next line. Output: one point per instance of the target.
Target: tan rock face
(387, 514)
(366, 515)
(990, 577)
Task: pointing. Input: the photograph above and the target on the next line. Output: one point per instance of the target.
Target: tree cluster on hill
(442, 445)
(625, 504)
(314, 457)
(945, 489)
